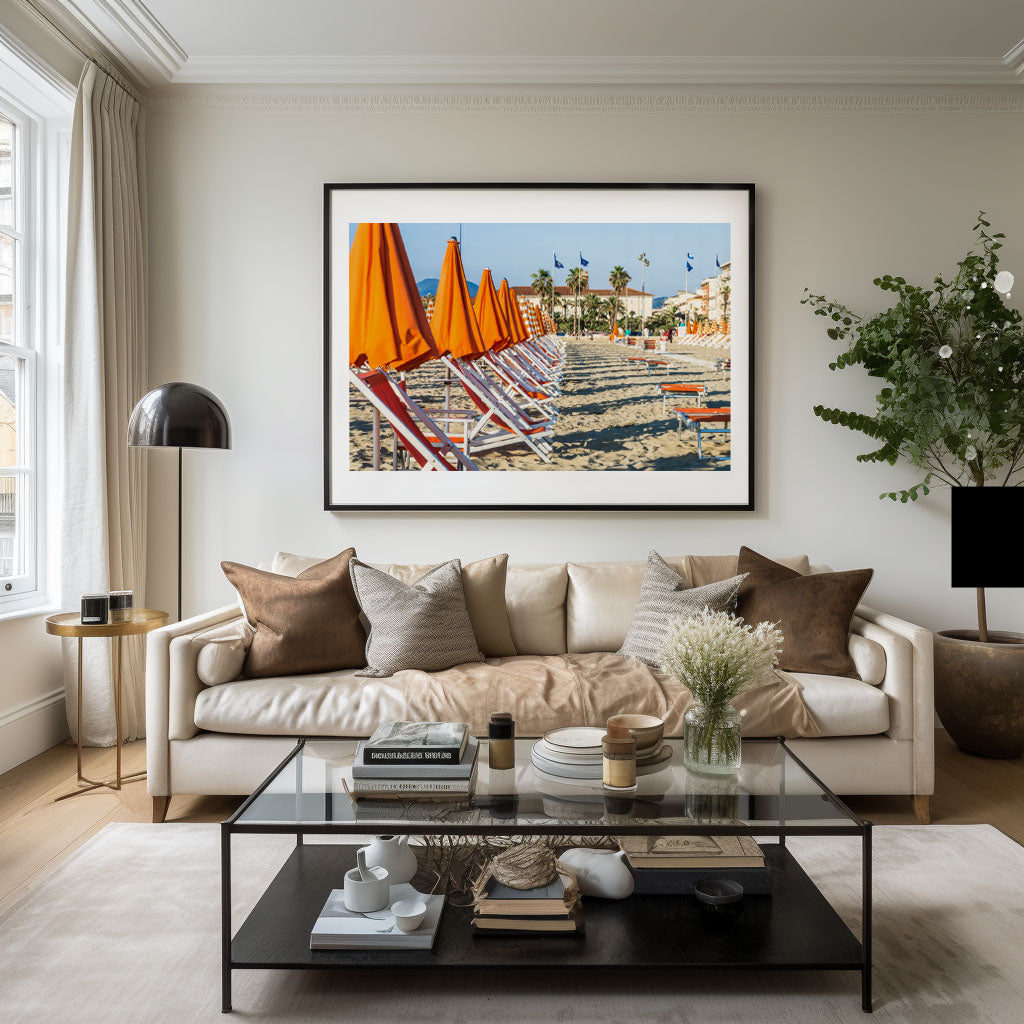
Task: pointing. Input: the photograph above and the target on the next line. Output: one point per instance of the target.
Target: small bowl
(717, 892)
(409, 914)
(648, 730)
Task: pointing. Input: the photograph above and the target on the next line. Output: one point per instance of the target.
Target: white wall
(235, 235)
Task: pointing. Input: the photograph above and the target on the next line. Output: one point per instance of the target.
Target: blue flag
(583, 262)
(558, 266)
(717, 264)
(689, 267)
(689, 255)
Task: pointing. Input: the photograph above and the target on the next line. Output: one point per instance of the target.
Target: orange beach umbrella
(509, 306)
(453, 323)
(494, 328)
(387, 324)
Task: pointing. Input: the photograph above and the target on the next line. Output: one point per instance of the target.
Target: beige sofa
(876, 732)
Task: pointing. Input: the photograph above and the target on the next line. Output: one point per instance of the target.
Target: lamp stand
(179, 534)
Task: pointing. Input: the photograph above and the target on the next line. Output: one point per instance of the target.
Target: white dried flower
(970, 452)
(1003, 282)
(717, 656)
(945, 352)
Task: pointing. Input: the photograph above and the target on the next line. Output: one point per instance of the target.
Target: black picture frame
(748, 505)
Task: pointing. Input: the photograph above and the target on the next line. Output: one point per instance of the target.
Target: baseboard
(31, 727)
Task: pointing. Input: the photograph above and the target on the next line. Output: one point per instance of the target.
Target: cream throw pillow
(483, 583)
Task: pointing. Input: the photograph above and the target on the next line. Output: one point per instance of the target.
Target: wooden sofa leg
(922, 809)
(161, 803)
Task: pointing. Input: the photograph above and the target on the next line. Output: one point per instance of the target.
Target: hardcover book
(444, 771)
(340, 928)
(692, 851)
(417, 743)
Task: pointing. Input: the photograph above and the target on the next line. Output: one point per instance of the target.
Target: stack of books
(553, 909)
(671, 864)
(416, 761)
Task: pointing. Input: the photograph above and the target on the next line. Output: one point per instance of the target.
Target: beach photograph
(565, 347)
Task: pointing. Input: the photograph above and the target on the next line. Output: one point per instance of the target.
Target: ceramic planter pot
(979, 691)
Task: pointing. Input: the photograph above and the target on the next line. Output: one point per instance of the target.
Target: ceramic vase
(394, 854)
(600, 872)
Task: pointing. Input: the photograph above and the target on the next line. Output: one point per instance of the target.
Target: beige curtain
(105, 373)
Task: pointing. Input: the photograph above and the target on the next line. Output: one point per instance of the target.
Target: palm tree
(577, 283)
(619, 280)
(592, 313)
(609, 309)
(544, 285)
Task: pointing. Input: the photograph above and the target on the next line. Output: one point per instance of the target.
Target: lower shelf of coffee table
(794, 928)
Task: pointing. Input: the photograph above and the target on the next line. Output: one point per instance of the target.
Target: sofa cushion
(535, 599)
(220, 657)
(306, 624)
(483, 583)
(844, 707)
(664, 598)
(814, 612)
(542, 693)
(420, 625)
(602, 595)
(868, 658)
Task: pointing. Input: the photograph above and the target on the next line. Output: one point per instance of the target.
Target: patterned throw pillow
(425, 625)
(664, 597)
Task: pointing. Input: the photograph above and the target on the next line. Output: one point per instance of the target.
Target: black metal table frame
(857, 827)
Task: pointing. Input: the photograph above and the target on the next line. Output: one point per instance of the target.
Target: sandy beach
(609, 413)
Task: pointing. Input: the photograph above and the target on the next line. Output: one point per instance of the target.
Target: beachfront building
(719, 289)
(631, 301)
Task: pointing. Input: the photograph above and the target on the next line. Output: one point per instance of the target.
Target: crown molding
(1014, 60)
(587, 71)
(130, 32)
(298, 101)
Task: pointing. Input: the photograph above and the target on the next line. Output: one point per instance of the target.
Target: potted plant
(717, 657)
(952, 360)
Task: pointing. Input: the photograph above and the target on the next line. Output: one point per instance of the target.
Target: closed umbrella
(509, 306)
(388, 325)
(453, 323)
(494, 329)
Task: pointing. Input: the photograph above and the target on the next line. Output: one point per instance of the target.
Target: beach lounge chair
(700, 390)
(497, 409)
(414, 429)
(695, 419)
(518, 385)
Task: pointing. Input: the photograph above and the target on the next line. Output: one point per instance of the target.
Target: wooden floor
(37, 834)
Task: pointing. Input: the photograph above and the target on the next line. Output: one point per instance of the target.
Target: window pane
(13, 522)
(8, 412)
(6, 172)
(8, 255)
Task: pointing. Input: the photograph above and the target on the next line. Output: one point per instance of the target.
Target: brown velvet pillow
(309, 623)
(814, 612)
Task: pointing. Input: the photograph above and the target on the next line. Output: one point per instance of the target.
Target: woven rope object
(525, 866)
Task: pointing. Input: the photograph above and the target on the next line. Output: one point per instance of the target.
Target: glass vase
(711, 740)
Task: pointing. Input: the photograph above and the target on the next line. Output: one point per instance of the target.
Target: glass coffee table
(774, 795)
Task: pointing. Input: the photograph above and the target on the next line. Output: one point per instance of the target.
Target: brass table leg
(119, 780)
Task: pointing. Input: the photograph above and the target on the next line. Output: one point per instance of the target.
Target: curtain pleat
(105, 373)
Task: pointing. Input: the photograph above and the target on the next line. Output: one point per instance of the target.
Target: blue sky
(516, 251)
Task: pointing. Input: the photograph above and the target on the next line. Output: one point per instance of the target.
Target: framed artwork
(547, 346)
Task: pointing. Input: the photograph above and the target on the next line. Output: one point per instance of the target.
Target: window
(34, 134)
(18, 562)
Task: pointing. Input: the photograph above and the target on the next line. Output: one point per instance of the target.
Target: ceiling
(940, 42)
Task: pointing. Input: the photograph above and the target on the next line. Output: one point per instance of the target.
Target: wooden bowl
(649, 730)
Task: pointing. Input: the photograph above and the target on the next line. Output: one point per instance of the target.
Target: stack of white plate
(576, 753)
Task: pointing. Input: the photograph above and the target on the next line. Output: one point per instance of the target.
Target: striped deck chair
(694, 419)
(520, 387)
(498, 410)
(414, 429)
(700, 390)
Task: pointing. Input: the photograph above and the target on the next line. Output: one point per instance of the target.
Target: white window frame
(39, 104)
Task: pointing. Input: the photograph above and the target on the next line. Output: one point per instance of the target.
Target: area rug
(127, 930)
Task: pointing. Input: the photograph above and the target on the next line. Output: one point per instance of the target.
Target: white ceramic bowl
(409, 914)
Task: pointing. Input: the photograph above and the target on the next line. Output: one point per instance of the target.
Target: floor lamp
(179, 416)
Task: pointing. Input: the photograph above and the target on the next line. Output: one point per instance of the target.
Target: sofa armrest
(909, 683)
(171, 687)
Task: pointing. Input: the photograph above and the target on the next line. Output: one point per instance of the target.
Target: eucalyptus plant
(952, 358)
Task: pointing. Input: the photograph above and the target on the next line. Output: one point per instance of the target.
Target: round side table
(69, 624)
